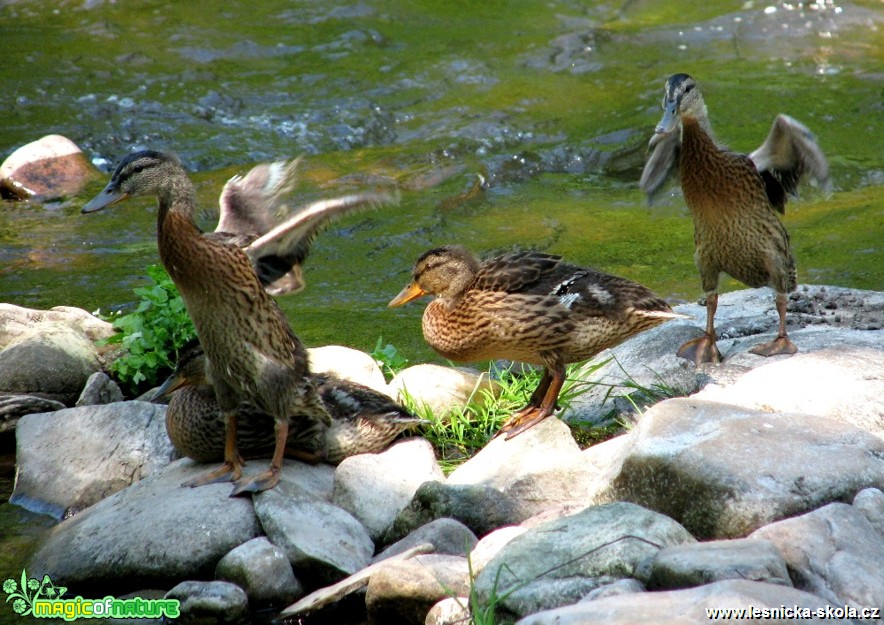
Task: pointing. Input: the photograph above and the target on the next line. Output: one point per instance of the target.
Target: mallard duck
(734, 200)
(363, 420)
(253, 354)
(527, 306)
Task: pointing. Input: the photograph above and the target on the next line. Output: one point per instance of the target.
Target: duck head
(680, 98)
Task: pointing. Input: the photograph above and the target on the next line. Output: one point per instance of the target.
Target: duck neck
(175, 224)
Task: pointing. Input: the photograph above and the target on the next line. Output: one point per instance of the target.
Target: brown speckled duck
(253, 355)
(363, 420)
(734, 200)
(531, 307)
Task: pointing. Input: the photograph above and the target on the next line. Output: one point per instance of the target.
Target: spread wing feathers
(248, 203)
(662, 163)
(283, 248)
(514, 273)
(788, 153)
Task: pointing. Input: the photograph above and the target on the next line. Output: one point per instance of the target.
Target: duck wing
(662, 163)
(790, 152)
(514, 273)
(248, 204)
(278, 253)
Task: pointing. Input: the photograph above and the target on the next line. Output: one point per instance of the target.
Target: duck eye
(689, 88)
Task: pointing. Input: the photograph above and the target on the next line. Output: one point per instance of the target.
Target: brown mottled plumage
(255, 355)
(363, 420)
(530, 307)
(733, 199)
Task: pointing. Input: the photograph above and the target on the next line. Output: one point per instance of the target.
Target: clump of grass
(465, 430)
(151, 334)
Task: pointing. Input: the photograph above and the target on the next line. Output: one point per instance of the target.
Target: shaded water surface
(505, 124)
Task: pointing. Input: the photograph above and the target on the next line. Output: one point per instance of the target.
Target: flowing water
(506, 125)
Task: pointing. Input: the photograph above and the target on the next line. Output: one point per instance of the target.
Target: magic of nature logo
(43, 599)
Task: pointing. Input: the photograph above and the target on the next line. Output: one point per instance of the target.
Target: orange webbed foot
(257, 483)
(227, 472)
(522, 420)
(780, 345)
(701, 349)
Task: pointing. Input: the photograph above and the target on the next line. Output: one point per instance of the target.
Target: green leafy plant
(151, 334)
(389, 358)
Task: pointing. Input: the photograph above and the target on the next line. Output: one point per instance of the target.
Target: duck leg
(781, 344)
(703, 348)
(232, 467)
(269, 478)
(540, 406)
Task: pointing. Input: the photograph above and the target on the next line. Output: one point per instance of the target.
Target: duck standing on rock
(733, 199)
(531, 307)
(363, 420)
(253, 355)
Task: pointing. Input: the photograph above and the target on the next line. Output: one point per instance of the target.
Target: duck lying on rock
(531, 307)
(733, 199)
(253, 354)
(363, 420)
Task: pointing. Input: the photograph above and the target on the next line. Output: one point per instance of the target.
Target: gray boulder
(684, 566)
(316, 479)
(481, 508)
(70, 459)
(624, 586)
(833, 552)
(448, 537)
(349, 364)
(402, 593)
(871, 503)
(323, 542)
(449, 611)
(558, 562)
(831, 382)
(210, 603)
(263, 571)
(52, 362)
(688, 607)
(724, 471)
(441, 389)
(394, 476)
(154, 533)
(14, 407)
(99, 389)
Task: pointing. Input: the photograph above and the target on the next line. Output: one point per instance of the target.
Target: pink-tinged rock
(49, 168)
